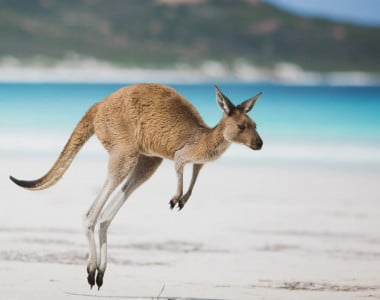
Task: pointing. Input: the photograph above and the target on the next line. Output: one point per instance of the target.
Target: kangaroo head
(238, 126)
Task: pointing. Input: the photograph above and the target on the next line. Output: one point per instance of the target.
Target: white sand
(250, 231)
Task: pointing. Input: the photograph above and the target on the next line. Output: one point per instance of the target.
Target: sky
(366, 12)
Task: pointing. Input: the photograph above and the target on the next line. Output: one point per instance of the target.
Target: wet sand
(249, 231)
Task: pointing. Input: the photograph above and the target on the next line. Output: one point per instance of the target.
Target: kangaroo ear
(247, 105)
(223, 102)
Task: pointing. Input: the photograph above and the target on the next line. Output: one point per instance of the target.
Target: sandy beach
(252, 230)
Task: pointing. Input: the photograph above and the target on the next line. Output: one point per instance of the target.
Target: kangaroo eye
(241, 127)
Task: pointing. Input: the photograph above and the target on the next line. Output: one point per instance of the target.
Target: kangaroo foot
(99, 279)
(91, 277)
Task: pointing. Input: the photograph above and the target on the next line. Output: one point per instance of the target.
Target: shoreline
(336, 154)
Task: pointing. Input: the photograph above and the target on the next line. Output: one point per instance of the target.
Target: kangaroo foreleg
(179, 166)
(184, 198)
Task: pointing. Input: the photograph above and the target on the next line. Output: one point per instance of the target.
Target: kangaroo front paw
(174, 202)
(182, 201)
(181, 204)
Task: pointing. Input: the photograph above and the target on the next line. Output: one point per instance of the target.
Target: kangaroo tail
(83, 131)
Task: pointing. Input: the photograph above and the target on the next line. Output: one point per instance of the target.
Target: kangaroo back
(83, 131)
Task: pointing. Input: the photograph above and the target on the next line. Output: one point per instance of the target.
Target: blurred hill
(152, 33)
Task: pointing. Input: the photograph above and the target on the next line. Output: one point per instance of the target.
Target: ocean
(298, 124)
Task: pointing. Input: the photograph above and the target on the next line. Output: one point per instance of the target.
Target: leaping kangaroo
(139, 126)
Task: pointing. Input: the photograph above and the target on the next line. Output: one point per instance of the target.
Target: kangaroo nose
(259, 143)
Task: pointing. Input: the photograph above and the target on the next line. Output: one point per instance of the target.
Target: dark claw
(99, 279)
(180, 205)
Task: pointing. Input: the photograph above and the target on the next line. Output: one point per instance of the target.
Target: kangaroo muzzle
(256, 144)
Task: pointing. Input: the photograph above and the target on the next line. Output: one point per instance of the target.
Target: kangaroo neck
(214, 142)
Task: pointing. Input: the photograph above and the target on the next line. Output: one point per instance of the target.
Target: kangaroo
(139, 126)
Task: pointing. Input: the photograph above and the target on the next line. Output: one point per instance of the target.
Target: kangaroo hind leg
(143, 170)
(119, 166)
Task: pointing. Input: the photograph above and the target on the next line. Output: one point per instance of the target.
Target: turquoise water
(283, 113)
